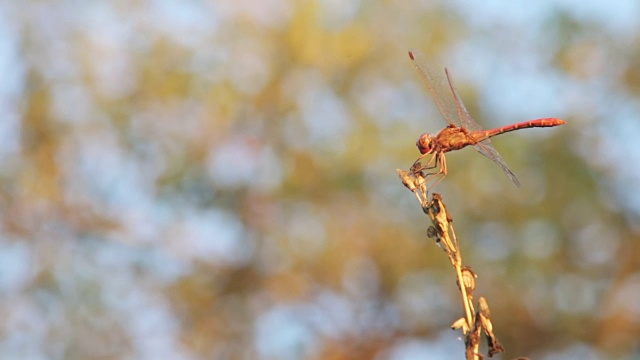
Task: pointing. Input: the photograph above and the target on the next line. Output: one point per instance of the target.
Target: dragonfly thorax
(425, 143)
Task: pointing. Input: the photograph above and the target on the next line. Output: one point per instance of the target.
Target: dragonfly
(455, 137)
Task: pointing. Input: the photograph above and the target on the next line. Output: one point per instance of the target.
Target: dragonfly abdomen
(546, 122)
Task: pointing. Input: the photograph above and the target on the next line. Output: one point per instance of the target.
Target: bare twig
(442, 231)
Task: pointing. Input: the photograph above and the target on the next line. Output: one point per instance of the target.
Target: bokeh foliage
(217, 180)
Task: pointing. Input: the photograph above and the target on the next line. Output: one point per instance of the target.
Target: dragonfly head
(425, 144)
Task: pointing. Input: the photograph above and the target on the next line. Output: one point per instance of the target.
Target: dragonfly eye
(424, 143)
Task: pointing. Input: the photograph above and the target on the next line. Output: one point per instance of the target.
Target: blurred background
(216, 179)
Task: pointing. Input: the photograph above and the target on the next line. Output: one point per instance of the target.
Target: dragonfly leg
(435, 165)
(432, 164)
(441, 173)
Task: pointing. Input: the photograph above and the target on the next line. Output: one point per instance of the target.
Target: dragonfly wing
(437, 86)
(484, 147)
(466, 120)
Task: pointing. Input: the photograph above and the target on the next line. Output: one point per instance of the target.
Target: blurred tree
(216, 180)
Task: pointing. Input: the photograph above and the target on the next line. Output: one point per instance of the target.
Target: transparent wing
(436, 84)
(484, 147)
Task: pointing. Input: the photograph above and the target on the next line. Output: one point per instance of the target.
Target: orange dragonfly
(455, 137)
